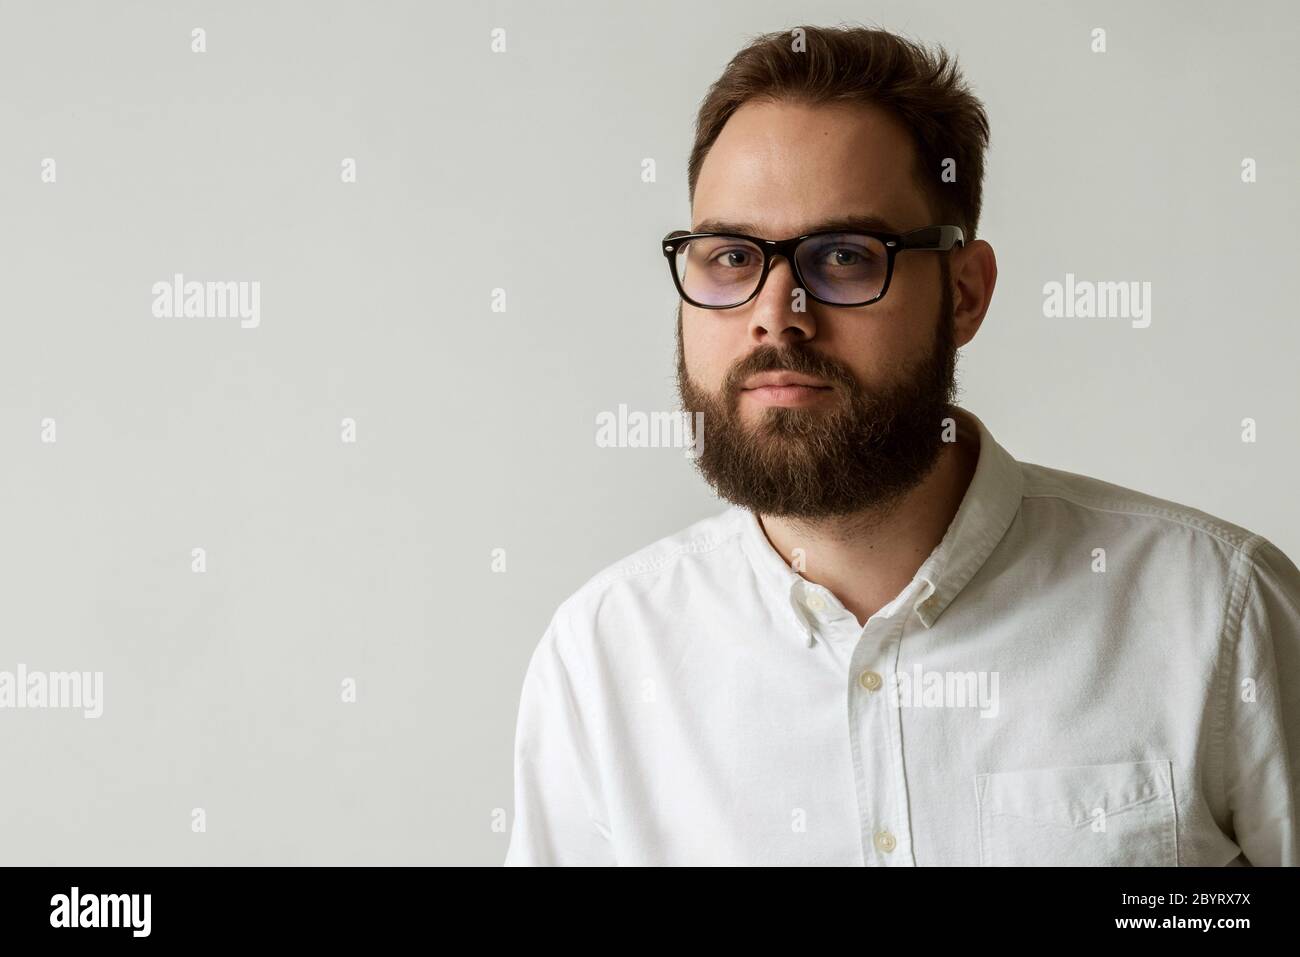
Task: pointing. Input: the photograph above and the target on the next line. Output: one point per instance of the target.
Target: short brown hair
(924, 90)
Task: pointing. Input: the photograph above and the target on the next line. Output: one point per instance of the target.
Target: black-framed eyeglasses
(834, 267)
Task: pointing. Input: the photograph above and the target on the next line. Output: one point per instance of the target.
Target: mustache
(800, 361)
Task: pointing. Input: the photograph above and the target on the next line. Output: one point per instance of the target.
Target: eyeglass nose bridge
(785, 249)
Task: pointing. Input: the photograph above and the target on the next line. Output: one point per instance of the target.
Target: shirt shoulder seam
(624, 570)
(1240, 584)
(1238, 539)
(575, 672)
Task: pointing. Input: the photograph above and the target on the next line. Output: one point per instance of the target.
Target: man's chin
(760, 418)
(818, 402)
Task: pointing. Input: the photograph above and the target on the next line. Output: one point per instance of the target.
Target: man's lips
(780, 380)
(785, 389)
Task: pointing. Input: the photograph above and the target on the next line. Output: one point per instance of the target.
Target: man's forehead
(778, 215)
(781, 169)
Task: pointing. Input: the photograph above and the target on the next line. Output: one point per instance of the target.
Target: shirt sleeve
(556, 782)
(1262, 740)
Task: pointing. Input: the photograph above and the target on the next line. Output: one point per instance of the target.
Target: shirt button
(870, 680)
(815, 602)
(886, 841)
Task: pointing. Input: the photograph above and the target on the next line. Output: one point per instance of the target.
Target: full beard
(863, 453)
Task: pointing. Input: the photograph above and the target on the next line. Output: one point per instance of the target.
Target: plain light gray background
(476, 170)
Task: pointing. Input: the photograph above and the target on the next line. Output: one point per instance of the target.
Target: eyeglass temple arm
(933, 237)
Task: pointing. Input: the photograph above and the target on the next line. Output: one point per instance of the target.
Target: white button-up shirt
(1078, 674)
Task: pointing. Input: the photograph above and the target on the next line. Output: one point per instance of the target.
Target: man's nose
(774, 318)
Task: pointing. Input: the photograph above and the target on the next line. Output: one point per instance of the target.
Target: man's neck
(866, 559)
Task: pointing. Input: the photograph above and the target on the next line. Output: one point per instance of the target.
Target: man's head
(858, 123)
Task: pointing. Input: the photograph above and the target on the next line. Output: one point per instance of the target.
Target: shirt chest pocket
(1100, 815)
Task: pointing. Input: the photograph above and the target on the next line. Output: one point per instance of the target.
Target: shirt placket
(876, 740)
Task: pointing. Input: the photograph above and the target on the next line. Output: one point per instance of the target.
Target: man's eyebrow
(843, 224)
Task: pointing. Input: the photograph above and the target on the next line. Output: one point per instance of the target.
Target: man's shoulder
(644, 569)
(1095, 500)
(684, 546)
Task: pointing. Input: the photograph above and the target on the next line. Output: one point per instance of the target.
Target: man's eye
(844, 256)
(734, 257)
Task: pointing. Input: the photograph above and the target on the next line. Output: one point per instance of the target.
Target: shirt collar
(990, 504)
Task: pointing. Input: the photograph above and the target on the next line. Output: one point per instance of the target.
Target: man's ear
(974, 274)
